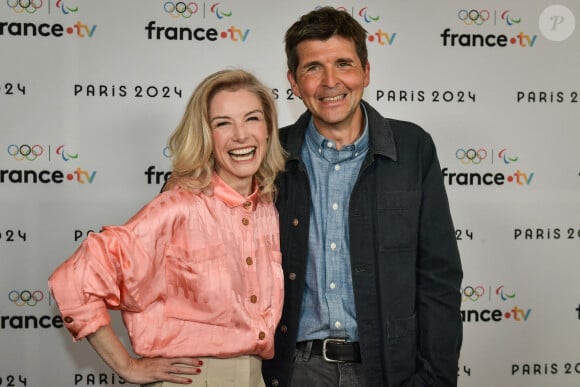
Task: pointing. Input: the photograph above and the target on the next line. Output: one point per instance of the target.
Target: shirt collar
(231, 197)
(323, 146)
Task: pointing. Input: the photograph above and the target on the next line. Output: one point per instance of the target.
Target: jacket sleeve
(439, 276)
(109, 268)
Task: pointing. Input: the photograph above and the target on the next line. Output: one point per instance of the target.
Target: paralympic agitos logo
(482, 157)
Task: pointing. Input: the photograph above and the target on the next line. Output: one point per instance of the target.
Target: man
(371, 265)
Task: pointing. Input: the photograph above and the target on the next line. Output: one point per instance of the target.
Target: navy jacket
(406, 269)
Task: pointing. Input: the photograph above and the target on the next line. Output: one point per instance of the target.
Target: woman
(197, 278)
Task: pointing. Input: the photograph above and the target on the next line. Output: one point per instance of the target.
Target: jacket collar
(381, 138)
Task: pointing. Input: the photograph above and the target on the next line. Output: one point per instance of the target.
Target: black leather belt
(334, 350)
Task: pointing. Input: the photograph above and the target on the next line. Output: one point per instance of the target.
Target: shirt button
(245, 221)
(292, 276)
(332, 285)
(249, 261)
(334, 206)
(337, 324)
(262, 336)
(295, 222)
(329, 144)
(254, 299)
(333, 245)
(337, 167)
(283, 328)
(247, 205)
(68, 319)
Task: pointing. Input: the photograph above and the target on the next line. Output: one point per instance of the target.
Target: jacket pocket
(199, 286)
(398, 219)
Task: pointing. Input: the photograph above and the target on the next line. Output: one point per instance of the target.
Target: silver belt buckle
(331, 340)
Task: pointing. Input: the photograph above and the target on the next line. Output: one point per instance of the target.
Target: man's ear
(367, 80)
(293, 83)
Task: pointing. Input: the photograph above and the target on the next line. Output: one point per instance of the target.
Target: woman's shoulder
(168, 205)
(178, 197)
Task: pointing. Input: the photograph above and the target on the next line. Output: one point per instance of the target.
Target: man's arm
(439, 276)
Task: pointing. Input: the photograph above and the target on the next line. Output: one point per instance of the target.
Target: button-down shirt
(193, 275)
(328, 308)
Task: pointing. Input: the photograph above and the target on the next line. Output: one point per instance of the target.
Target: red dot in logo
(513, 40)
(510, 178)
(224, 35)
(69, 30)
(371, 38)
(69, 176)
(507, 315)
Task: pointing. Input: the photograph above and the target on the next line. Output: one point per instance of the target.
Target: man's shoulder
(377, 120)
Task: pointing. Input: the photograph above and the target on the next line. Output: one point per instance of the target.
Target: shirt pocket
(199, 285)
(398, 219)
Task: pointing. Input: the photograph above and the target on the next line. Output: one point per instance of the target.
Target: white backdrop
(90, 91)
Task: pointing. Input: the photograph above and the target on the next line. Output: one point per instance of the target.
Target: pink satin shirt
(193, 275)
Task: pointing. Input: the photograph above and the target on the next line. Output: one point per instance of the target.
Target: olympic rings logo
(471, 156)
(20, 6)
(180, 9)
(473, 16)
(473, 293)
(25, 151)
(26, 297)
(337, 8)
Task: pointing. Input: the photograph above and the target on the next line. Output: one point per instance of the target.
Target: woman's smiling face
(240, 134)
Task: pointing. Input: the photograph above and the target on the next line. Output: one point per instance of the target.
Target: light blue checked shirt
(328, 308)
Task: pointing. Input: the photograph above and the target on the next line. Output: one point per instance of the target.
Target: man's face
(330, 79)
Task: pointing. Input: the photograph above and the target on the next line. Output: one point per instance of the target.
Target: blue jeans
(312, 370)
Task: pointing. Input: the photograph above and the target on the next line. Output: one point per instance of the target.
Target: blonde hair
(191, 143)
